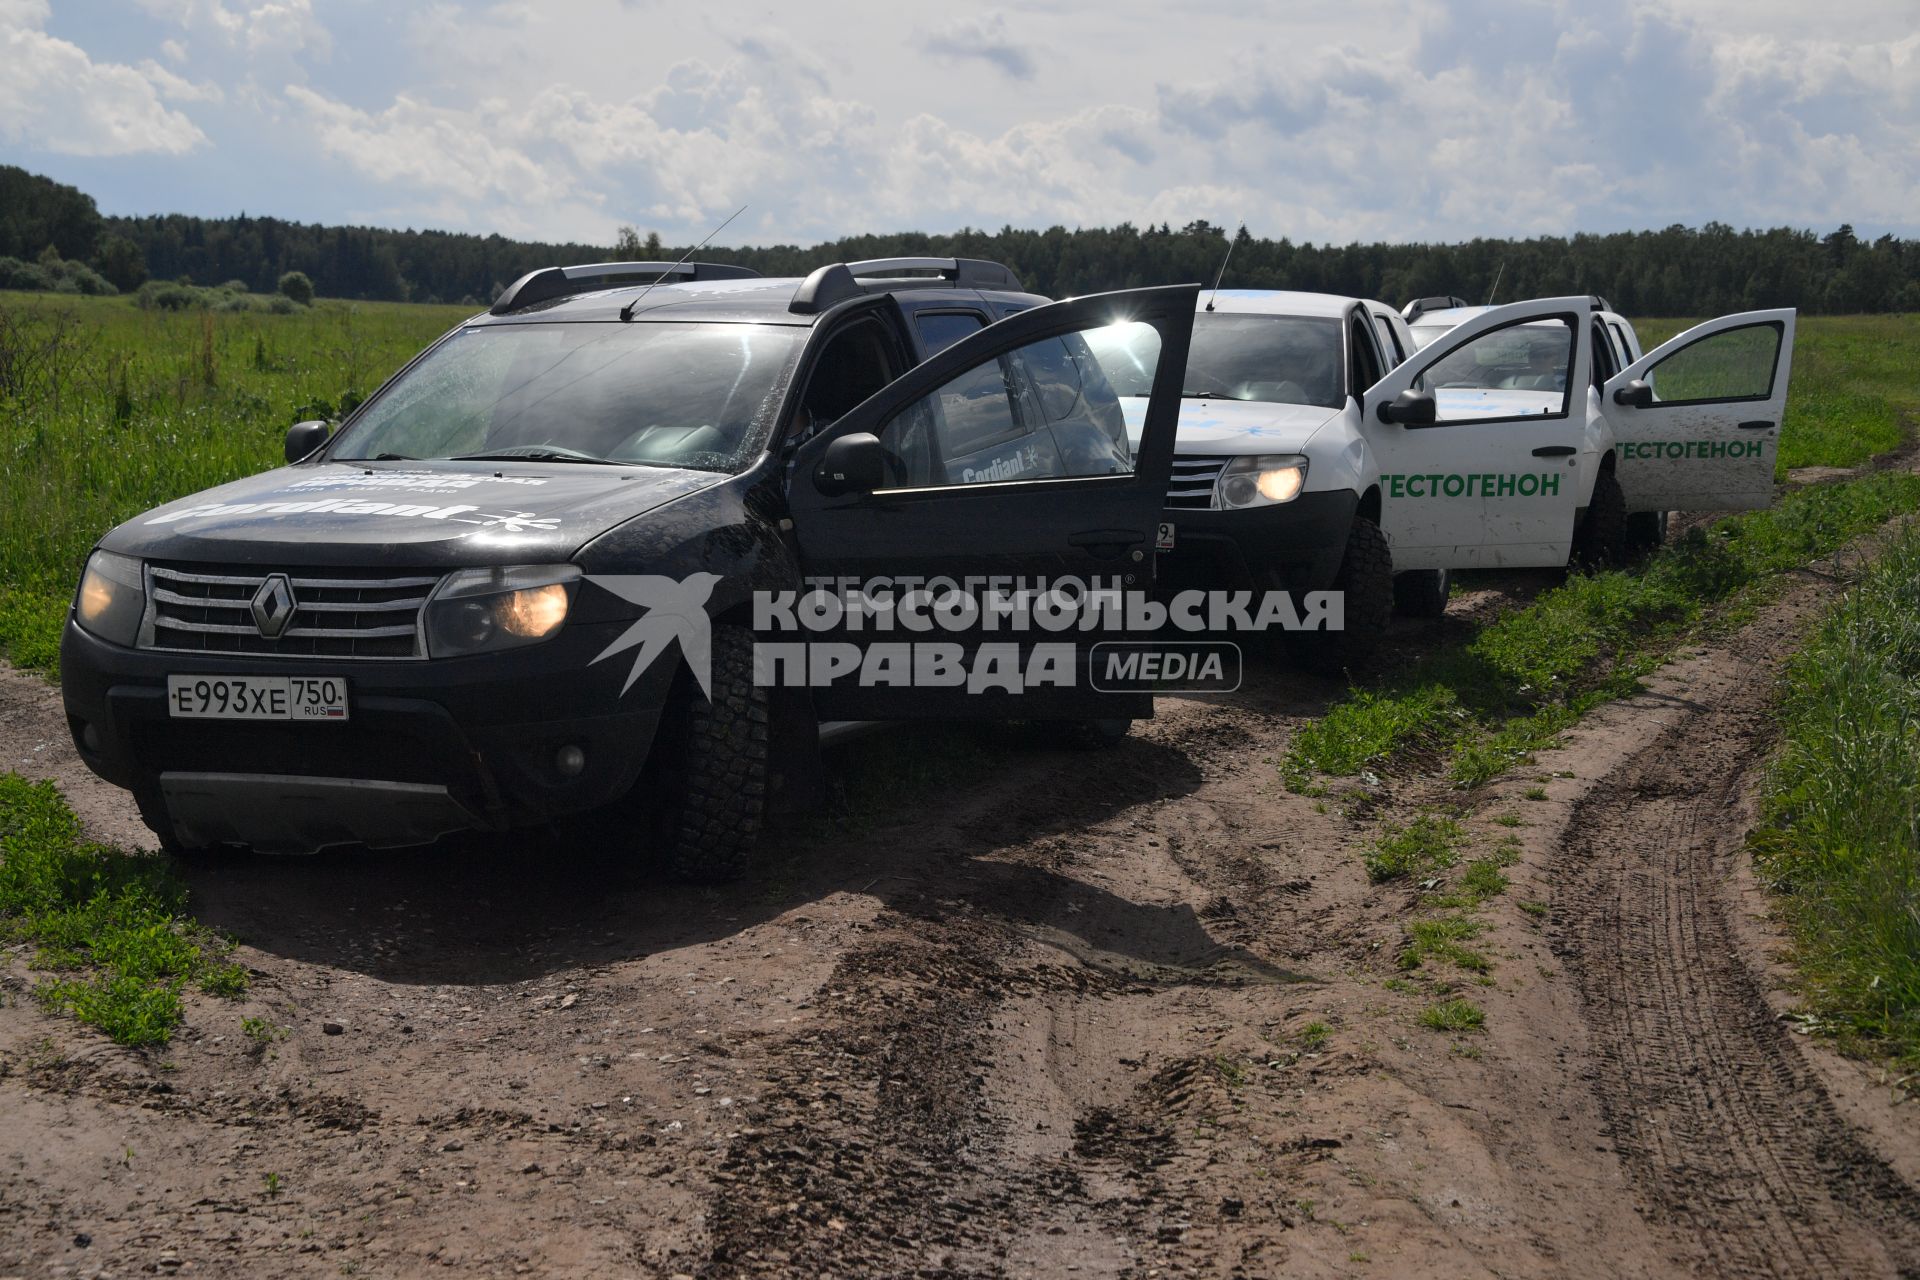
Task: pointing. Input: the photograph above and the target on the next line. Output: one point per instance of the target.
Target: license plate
(257, 697)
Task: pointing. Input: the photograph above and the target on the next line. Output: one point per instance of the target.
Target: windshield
(1273, 359)
(679, 395)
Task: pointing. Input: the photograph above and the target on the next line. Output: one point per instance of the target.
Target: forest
(53, 236)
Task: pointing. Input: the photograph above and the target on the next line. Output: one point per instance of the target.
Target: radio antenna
(1219, 275)
(1496, 282)
(626, 312)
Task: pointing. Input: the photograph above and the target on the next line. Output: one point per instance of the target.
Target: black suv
(469, 607)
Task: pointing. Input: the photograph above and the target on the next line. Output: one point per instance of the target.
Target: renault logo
(273, 606)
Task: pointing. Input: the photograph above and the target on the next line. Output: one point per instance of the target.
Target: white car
(1319, 448)
(1555, 394)
(1270, 490)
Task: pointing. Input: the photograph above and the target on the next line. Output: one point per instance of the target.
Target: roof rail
(1599, 303)
(1438, 302)
(549, 283)
(831, 285)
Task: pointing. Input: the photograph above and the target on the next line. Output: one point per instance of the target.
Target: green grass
(110, 927)
(1429, 843)
(1444, 938)
(1453, 1015)
(1478, 707)
(1841, 832)
(1853, 386)
(110, 410)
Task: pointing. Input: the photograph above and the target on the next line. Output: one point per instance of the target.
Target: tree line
(1676, 271)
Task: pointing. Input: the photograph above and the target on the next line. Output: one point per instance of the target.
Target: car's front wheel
(1365, 582)
(713, 784)
(1422, 593)
(1601, 541)
(1646, 530)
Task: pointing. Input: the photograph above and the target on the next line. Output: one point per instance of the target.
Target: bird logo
(676, 609)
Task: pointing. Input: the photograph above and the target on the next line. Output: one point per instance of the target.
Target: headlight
(113, 597)
(482, 610)
(1261, 481)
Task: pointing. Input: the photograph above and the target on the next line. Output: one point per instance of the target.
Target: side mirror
(304, 437)
(854, 463)
(1411, 409)
(1635, 394)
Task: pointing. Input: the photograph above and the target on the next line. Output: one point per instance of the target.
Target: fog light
(569, 761)
(90, 737)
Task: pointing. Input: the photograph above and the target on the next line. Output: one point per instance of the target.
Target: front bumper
(1292, 546)
(428, 747)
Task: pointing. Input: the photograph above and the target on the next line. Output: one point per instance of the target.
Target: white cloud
(985, 40)
(1336, 120)
(54, 97)
(263, 26)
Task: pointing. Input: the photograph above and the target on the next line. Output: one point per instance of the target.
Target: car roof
(1451, 316)
(1281, 302)
(724, 294)
(762, 301)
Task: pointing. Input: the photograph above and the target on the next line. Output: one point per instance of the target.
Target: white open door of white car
(1696, 421)
(1492, 477)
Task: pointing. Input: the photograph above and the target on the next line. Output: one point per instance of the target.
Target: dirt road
(1133, 1014)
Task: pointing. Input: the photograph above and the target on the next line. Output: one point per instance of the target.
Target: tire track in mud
(1729, 1137)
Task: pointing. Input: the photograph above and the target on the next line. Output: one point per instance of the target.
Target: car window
(1389, 341)
(940, 330)
(1517, 371)
(686, 395)
(1236, 356)
(1733, 364)
(1605, 360)
(1366, 357)
(1628, 352)
(1047, 411)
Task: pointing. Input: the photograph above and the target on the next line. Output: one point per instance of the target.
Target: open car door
(1696, 421)
(1001, 462)
(1480, 435)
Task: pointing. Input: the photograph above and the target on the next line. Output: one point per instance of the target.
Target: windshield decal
(507, 522)
(416, 481)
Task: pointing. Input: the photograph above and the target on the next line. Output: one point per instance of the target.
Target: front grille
(339, 613)
(1191, 488)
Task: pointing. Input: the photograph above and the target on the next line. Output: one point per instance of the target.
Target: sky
(1349, 121)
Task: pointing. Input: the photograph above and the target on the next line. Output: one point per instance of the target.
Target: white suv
(1320, 447)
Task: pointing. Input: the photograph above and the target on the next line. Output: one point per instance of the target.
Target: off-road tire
(1601, 541)
(1366, 578)
(716, 779)
(1646, 530)
(1422, 593)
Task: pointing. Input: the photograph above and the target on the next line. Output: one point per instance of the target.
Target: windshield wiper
(394, 457)
(535, 455)
(1206, 395)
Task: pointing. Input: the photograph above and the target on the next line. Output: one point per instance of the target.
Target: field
(110, 409)
(1463, 969)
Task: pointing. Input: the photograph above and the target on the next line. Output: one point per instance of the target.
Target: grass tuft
(1512, 688)
(1431, 842)
(113, 926)
(1453, 1015)
(1841, 829)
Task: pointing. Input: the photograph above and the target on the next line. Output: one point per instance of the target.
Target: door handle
(1555, 451)
(1756, 426)
(1106, 544)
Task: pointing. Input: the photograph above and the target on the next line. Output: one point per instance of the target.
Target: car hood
(1235, 427)
(425, 514)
